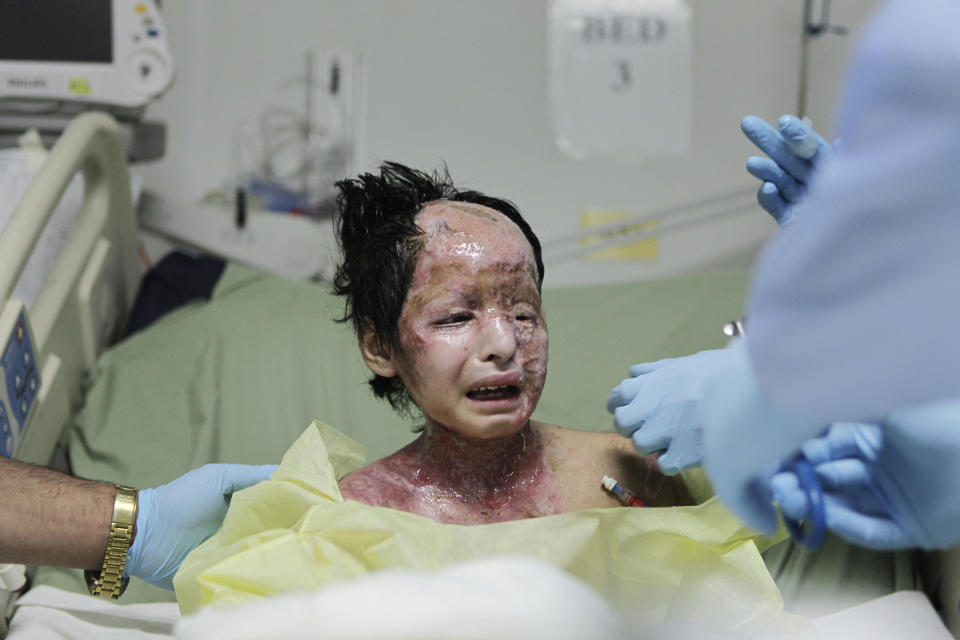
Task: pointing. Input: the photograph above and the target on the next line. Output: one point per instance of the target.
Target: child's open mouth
(494, 393)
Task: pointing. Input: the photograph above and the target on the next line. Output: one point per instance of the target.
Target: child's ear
(379, 360)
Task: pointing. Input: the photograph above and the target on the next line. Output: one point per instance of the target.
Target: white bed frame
(91, 286)
(89, 289)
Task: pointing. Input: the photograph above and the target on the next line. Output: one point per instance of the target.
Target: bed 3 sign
(620, 77)
(21, 382)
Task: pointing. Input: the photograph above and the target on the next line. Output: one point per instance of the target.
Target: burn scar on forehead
(474, 211)
(469, 249)
(472, 231)
(460, 242)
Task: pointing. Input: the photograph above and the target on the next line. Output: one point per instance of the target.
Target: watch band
(109, 581)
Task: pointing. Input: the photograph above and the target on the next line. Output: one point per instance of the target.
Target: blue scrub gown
(855, 307)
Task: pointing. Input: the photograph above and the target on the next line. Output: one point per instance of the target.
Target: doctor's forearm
(50, 518)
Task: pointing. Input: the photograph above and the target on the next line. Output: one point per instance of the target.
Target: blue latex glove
(843, 459)
(176, 517)
(887, 488)
(660, 407)
(794, 149)
(745, 440)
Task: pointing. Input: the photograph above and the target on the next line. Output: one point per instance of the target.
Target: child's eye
(526, 313)
(455, 318)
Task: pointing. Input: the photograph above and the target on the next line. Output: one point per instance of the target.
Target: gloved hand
(660, 407)
(745, 440)
(176, 517)
(794, 149)
(889, 487)
(842, 460)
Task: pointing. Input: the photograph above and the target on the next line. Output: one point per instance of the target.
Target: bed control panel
(19, 376)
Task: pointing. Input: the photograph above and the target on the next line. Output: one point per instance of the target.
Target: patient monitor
(61, 57)
(112, 53)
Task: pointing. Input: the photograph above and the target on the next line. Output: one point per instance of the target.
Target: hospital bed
(237, 374)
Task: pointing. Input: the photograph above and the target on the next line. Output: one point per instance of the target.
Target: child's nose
(499, 339)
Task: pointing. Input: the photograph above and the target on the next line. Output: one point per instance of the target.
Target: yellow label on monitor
(643, 249)
(81, 86)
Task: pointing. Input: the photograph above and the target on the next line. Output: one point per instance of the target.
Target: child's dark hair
(381, 244)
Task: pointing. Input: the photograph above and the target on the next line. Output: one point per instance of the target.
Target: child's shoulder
(383, 483)
(579, 445)
(580, 459)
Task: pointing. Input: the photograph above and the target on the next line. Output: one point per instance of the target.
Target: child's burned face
(473, 337)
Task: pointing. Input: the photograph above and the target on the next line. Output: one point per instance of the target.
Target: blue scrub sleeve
(855, 309)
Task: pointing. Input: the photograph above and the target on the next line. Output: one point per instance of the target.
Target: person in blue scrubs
(852, 316)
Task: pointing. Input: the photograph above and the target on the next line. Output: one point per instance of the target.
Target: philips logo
(27, 83)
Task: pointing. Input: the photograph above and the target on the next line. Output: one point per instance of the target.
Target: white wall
(465, 82)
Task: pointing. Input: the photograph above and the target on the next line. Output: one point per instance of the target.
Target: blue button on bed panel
(6, 433)
(13, 371)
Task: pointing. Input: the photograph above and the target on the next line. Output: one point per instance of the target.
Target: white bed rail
(90, 287)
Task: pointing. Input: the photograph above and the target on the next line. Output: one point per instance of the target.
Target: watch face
(109, 582)
(125, 506)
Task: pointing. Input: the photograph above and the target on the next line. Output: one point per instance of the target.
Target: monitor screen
(56, 30)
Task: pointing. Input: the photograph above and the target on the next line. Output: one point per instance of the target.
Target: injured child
(443, 288)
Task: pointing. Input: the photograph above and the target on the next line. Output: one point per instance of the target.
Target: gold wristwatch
(109, 582)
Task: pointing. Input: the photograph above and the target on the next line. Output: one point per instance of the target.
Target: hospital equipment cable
(636, 228)
(289, 159)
